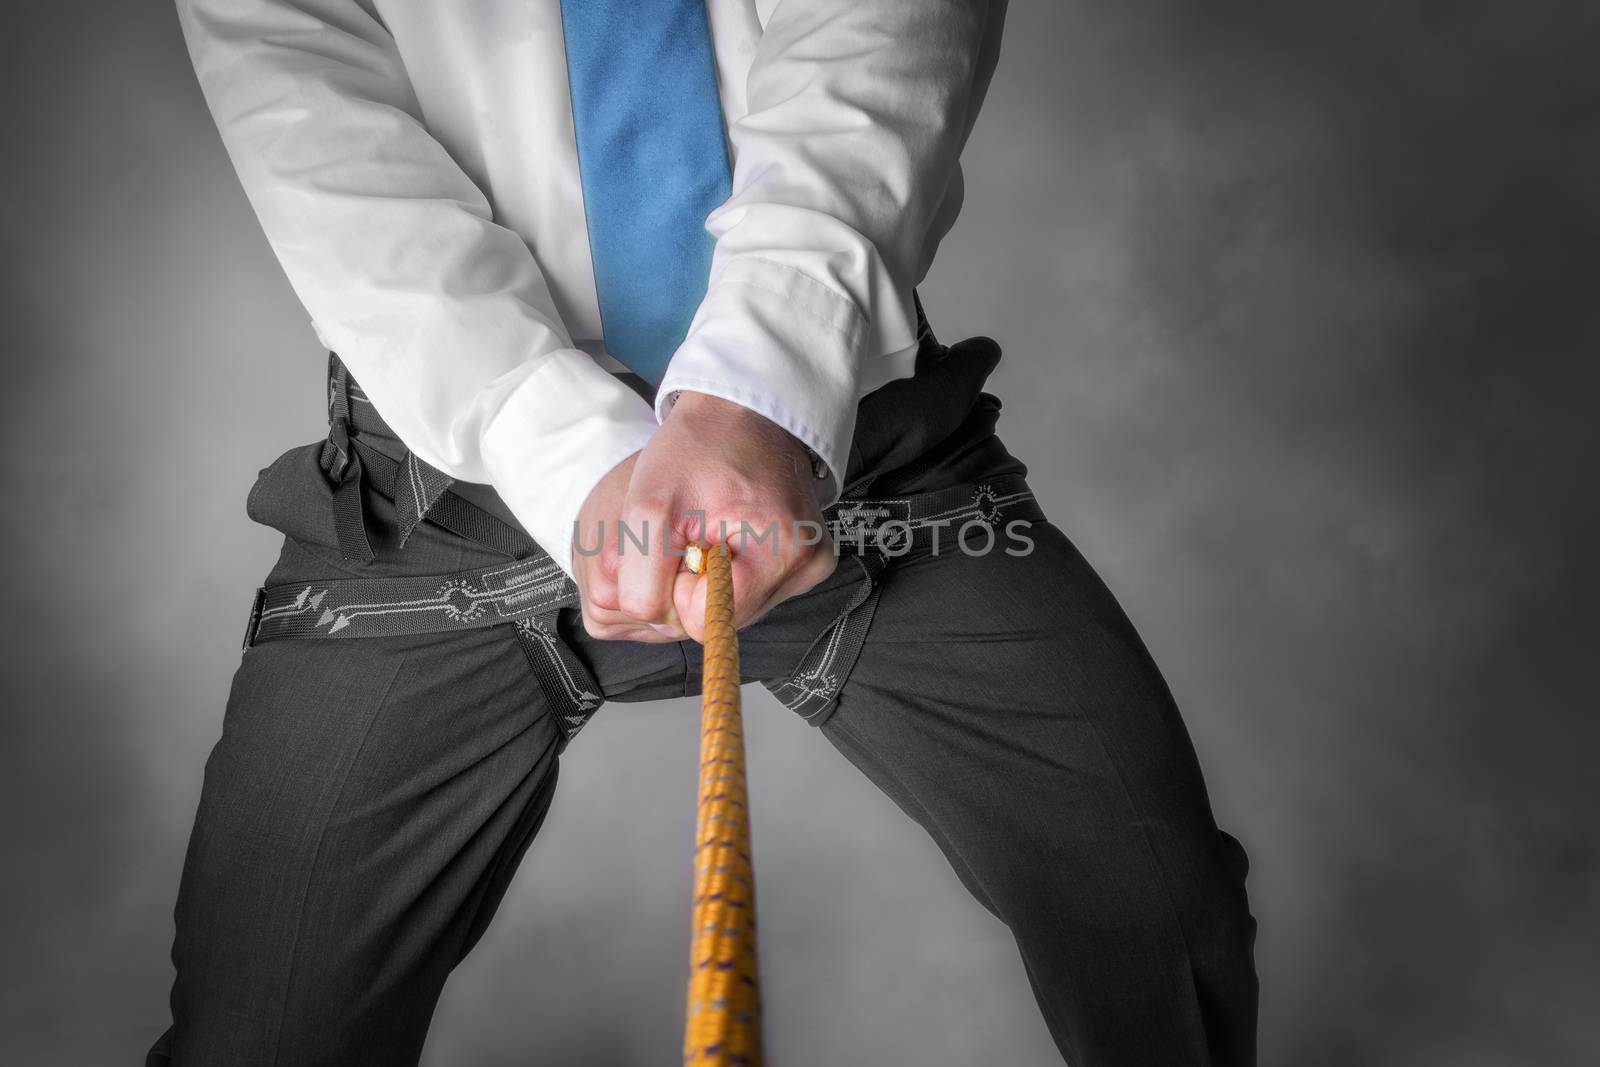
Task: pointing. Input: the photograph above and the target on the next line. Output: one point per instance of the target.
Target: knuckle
(648, 500)
(603, 596)
(644, 510)
(639, 602)
(604, 631)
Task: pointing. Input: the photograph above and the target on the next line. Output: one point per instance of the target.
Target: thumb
(689, 601)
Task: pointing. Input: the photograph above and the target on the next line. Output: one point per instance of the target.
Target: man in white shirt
(600, 266)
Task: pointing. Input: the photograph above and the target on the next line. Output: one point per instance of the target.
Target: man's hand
(594, 560)
(714, 471)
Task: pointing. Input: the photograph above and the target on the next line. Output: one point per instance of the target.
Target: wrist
(721, 413)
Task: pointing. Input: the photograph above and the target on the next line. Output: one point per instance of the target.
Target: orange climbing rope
(723, 1024)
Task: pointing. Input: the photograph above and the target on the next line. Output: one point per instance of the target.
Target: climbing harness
(527, 589)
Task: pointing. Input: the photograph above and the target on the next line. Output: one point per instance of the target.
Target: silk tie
(653, 164)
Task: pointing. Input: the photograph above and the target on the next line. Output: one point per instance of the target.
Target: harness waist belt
(534, 585)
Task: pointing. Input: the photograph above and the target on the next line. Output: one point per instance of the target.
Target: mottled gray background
(1294, 299)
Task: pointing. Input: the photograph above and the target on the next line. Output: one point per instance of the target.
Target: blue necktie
(653, 164)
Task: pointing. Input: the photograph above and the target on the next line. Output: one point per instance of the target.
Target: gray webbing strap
(563, 678)
(436, 603)
(522, 588)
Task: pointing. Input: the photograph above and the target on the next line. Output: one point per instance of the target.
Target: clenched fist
(713, 472)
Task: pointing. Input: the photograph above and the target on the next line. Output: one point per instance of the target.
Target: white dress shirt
(414, 167)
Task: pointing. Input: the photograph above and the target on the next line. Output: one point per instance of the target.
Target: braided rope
(723, 1024)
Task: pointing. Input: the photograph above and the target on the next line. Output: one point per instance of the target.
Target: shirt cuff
(772, 339)
(544, 452)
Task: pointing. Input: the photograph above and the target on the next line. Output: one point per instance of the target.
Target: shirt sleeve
(442, 314)
(857, 113)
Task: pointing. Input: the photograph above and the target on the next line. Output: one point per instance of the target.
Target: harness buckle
(254, 622)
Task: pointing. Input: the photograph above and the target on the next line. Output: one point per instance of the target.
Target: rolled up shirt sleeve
(845, 166)
(442, 314)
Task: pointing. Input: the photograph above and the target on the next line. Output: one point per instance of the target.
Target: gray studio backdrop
(1293, 303)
